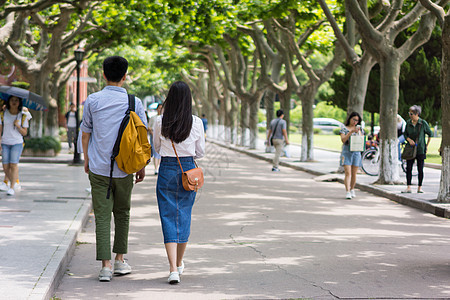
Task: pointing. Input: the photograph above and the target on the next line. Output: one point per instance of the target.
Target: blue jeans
(11, 153)
(174, 202)
(350, 158)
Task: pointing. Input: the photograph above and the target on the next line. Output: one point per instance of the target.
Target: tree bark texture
(444, 189)
(253, 123)
(390, 78)
(244, 123)
(358, 84)
(308, 95)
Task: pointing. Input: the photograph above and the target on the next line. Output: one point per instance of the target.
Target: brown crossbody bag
(192, 179)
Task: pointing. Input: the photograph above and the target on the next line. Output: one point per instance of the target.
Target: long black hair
(8, 106)
(351, 116)
(177, 116)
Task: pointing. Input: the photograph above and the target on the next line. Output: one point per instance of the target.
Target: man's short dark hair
(115, 67)
(279, 113)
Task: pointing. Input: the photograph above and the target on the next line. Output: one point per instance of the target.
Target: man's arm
(285, 136)
(140, 175)
(269, 133)
(85, 137)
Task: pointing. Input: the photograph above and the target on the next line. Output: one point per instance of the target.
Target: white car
(327, 124)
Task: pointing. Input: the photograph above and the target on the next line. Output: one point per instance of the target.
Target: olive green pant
(119, 204)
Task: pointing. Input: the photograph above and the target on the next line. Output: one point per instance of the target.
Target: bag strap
(115, 152)
(276, 125)
(418, 133)
(175, 150)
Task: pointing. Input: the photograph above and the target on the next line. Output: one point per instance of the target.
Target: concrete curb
(429, 207)
(54, 271)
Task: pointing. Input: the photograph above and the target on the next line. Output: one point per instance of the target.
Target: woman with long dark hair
(177, 127)
(351, 160)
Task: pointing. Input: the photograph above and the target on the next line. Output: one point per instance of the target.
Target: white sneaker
(181, 268)
(121, 267)
(352, 192)
(105, 274)
(348, 195)
(4, 187)
(17, 187)
(10, 192)
(174, 278)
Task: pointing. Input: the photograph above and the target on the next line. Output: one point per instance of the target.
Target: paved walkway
(257, 234)
(249, 239)
(39, 226)
(326, 163)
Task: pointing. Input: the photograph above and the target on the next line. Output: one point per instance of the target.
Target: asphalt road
(260, 234)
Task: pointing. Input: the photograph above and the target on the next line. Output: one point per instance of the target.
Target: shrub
(293, 129)
(337, 131)
(43, 144)
(317, 131)
(261, 129)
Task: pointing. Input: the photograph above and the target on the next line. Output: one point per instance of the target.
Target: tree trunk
(285, 103)
(358, 84)
(51, 124)
(244, 122)
(253, 122)
(270, 95)
(233, 120)
(444, 189)
(307, 152)
(390, 76)
(269, 100)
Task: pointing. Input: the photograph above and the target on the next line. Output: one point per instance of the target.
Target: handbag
(192, 179)
(410, 152)
(357, 143)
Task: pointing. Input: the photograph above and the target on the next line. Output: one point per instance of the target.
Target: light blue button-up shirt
(102, 114)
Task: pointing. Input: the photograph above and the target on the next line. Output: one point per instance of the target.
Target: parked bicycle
(371, 161)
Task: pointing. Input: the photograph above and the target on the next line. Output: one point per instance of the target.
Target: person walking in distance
(71, 126)
(205, 124)
(277, 131)
(102, 115)
(176, 128)
(151, 124)
(415, 131)
(351, 160)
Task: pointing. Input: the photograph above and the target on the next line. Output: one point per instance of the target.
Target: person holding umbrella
(14, 127)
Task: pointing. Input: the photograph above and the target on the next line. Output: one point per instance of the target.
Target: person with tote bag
(352, 138)
(177, 130)
(414, 134)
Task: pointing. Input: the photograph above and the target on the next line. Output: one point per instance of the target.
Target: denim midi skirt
(174, 202)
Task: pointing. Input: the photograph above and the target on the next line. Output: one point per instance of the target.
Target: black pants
(420, 158)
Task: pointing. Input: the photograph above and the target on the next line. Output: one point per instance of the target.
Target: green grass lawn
(333, 142)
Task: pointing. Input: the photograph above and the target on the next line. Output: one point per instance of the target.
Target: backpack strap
(2, 115)
(116, 149)
(24, 117)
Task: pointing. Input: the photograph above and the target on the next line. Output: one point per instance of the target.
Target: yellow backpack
(132, 150)
(24, 117)
(2, 117)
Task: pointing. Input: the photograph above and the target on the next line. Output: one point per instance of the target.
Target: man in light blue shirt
(102, 114)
